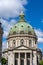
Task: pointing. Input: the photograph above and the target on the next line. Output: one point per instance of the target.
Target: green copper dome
(22, 27)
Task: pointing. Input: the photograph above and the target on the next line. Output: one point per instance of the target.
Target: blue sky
(33, 10)
(35, 16)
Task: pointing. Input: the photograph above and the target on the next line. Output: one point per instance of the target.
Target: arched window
(22, 41)
(14, 32)
(14, 42)
(30, 43)
(30, 33)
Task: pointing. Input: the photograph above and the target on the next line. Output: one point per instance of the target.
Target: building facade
(21, 44)
(1, 34)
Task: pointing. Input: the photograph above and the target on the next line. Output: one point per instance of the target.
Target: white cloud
(6, 27)
(39, 34)
(11, 8)
(40, 40)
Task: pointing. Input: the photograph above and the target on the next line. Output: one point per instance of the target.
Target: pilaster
(19, 59)
(25, 61)
(31, 59)
(35, 58)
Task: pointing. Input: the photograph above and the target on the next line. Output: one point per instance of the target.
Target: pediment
(22, 47)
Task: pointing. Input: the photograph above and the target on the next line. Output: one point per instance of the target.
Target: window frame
(22, 41)
(14, 42)
(30, 43)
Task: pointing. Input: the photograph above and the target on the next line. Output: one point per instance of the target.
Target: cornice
(22, 35)
(16, 48)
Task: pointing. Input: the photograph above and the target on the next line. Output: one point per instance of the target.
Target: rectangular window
(16, 62)
(28, 62)
(16, 55)
(28, 55)
(22, 55)
(16, 59)
(22, 62)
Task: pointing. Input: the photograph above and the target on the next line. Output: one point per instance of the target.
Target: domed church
(22, 44)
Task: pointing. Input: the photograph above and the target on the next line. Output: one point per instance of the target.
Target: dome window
(14, 32)
(15, 26)
(14, 41)
(29, 32)
(28, 27)
(22, 41)
(22, 26)
(21, 32)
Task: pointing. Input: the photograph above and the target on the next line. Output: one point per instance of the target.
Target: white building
(22, 44)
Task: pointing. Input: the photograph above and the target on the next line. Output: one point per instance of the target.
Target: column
(19, 59)
(31, 59)
(11, 58)
(35, 58)
(25, 61)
